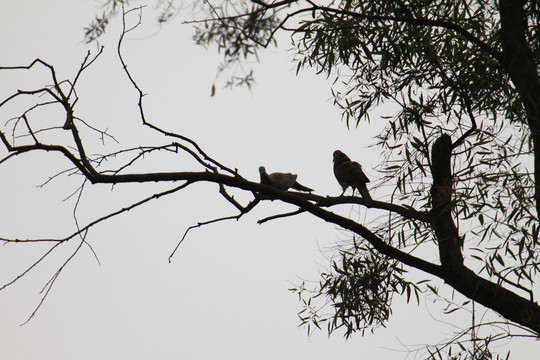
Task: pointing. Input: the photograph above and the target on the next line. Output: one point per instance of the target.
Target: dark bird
(349, 173)
(281, 181)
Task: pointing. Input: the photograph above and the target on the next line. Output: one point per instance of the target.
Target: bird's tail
(301, 187)
(365, 193)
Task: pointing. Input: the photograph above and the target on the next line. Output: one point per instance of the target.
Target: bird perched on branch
(349, 173)
(281, 181)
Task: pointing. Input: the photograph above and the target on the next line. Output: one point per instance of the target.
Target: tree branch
(279, 216)
(140, 103)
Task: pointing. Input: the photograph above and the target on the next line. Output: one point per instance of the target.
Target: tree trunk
(518, 61)
(493, 296)
(441, 197)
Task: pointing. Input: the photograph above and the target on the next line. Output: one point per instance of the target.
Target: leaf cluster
(98, 25)
(463, 351)
(359, 288)
(382, 51)
(238, 30)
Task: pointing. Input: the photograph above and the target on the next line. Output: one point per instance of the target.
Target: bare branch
(243, 210)
(48, 286)
(274, 4)
(85, 64)
(232, 217)
(279, 216)
(141, 111)
(31, 266)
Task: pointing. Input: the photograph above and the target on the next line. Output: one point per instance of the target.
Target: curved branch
(491, 295)
(274, 4)
(299, 199)
(405, 212)
(140, 102)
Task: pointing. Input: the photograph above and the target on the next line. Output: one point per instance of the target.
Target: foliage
(235, 36)
(440, 63)
(359, 287)
(97, 27)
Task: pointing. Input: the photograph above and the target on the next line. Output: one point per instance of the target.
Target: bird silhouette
(349, 173)
(281, 181)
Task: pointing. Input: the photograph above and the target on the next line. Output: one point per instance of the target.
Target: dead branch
(47, 253)
(200, 224)
(48, 286)
(279, 216)
(192, 143)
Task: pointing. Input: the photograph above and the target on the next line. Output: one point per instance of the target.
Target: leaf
(499, 259)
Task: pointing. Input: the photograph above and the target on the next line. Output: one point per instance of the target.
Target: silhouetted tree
(462, 154)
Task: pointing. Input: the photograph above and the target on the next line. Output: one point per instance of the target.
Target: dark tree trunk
(441, 197)
(518, 61)
(494, 296)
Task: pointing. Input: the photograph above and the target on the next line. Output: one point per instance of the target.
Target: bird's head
(262, 170)
(340, 157)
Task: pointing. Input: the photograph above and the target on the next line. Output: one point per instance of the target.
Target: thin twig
(48, 286)
(279, 216)
(30, 267)
(232, 217)
(141, 110)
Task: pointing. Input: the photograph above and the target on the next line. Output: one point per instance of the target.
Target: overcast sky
(225, 295)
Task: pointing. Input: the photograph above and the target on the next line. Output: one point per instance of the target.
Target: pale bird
(281, 181)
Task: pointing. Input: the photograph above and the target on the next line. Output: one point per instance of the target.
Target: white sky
(225, 294)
